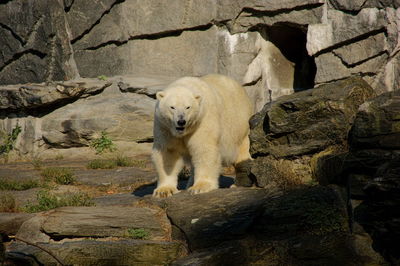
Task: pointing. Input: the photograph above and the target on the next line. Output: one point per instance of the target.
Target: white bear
(203, 122)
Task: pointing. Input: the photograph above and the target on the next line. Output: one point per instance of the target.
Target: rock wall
(272, 47)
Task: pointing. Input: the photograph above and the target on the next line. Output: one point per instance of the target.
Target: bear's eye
(188, 107)
(172, 107)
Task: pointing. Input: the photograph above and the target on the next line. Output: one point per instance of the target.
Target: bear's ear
(160, 95)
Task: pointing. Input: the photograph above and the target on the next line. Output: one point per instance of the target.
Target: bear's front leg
(168, 165)
(206, 161)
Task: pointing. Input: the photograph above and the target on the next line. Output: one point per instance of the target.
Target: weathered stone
(332, 67)
(378, 213)
(363, 50)
(149, 57)
(308, 121)
(31, 230)
(148, 85)
(11, 222)
(68, 222)
(82, 15)
(34, 44)
(301, 16)
(273, 69)
(377, 123)
(280, 174)
(17, 97)
(140, 19)
(125, 116)
(208, 219)
(341, 27)
(387, 80)
(106, 252)
(357, 5)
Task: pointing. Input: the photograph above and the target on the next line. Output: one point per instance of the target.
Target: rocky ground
(325, 171)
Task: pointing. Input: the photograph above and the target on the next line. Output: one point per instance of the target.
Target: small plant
(7, 203)
(123, 161)
(15, 185)
(48, 201)
(59, 175)
(102, 77)
(103, 143)
(37, 163)
(101, 164)
(8, 141)
(120, 160)
(59, 157)
(138, 233)
(139, 163)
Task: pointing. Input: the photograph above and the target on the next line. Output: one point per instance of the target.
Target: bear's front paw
(202, 187)
(165, 191)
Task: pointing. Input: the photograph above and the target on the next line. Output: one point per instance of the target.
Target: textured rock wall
(273, 47)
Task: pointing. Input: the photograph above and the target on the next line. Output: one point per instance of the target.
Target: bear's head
(179, 109)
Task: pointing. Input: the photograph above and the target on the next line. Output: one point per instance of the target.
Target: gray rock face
(308, 121)
(123, 116)
(371, 170)
(34, 43)
(377, 123)
(21, 97)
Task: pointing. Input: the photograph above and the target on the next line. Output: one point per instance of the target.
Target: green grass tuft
(120, 160)
(138, 233)
(59, 175)
(7, 203)
(101, 164)
(48, 201)
(18, 185)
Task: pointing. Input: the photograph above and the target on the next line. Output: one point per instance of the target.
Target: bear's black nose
(181, 122)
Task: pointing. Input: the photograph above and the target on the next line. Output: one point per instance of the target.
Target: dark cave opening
(291, 40)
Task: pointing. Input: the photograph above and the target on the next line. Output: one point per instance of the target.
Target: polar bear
(203, 122)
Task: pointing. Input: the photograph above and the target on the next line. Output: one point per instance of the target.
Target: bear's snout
(181, 122)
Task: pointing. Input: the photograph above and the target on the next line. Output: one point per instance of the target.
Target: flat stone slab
(11, 222)
(213, 217)
(94, 252)
(112, 221)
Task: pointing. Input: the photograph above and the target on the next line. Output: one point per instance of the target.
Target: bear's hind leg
(243, 164)
(168, 166)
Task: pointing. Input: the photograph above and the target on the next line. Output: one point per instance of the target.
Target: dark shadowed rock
(285, 229)
(309, 121)
(100, 252)
(11, 222)
(210, 218)
(377, 124)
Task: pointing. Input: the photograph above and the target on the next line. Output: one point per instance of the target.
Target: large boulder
(371, 171)
(309, 121)
(125, 116)
(249, 226)
(98, 235)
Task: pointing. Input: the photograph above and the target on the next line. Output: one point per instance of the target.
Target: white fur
(217, 112)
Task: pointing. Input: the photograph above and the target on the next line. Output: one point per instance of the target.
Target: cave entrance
(291, 40)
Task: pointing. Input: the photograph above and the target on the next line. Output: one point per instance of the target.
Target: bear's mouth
(180, 129)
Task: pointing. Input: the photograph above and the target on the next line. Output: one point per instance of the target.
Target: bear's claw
(165, 191)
